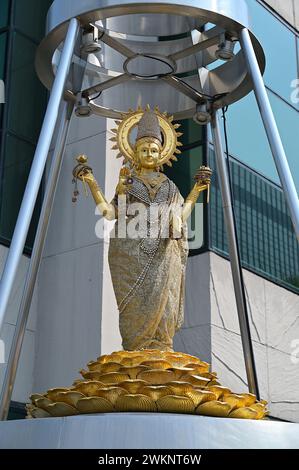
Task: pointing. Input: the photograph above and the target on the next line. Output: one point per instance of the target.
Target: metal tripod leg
(15, 351)
(270, 125)
(37, 169)
(234, 257)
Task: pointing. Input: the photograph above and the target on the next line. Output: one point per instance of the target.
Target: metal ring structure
(149, 36)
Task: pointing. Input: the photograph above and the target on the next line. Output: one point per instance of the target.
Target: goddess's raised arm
(203, 182)
(84, 173)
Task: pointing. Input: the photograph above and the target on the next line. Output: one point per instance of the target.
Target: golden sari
(148, 275)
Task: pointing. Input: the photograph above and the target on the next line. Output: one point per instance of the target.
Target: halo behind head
(165, 134)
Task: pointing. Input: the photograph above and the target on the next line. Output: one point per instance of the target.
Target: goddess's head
(148, 142)
(147, 152)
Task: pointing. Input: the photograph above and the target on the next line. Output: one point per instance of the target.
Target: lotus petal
(39, 413)
(219, 390)
(214, 408)
(157, 376)
(94, 405)
(175, 404)
(106, 367)
(103, 359)
(89, 388)
(137, 402)
(201, 396)
(51, 394)
(113, 377)
(70, 397)
(91, 375)
(111, 393)
(260, 409)
(196, 380)
(132, 372)
(61, 409)
(250, 399)
(132, 361)
(192, 359)
(43, 403)
(244, 413)
(155, 391)
(35, 396)
(180, 388)
(132, 385)
(199, 369)
(235, 401)
(157, 364)
(181, 371)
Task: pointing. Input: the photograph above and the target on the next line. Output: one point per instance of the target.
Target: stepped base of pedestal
(147, 431)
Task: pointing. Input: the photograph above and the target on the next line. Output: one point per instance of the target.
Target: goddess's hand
(82, 171)
(124, 181)
(203, 177)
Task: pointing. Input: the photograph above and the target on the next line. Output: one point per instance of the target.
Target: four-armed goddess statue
(147, 266)
(147, 258)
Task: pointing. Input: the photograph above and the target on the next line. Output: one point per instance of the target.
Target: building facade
(74, 316)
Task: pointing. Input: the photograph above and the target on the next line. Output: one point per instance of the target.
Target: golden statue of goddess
(147, 270)
(148, 274)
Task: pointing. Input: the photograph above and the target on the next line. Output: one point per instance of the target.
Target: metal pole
(15, 351)
(234, 257)
(37, 169)
(270, 125)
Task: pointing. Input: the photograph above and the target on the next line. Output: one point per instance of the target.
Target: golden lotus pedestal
(147, 381)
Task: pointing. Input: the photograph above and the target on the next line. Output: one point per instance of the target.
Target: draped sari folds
(148, 275)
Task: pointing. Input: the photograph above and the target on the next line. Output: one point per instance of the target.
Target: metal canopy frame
(221, 86)
(122, 29)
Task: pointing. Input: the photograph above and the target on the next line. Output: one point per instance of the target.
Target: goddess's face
(148, 154)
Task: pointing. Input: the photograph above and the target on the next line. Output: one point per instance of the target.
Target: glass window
(3, 40)
(266, 236)
(17, 163)
(183, 172)
(4, 13)
(287, 119)
(247, 138)
(30, 17)
(183, 176)
(192, 133)
(190, 159)
(27, 95)
(279, 44)
(26, 101)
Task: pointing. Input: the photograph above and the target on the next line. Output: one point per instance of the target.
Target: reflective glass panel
(3, 40)
(4, 12)
(182, 173)
(279, 44)
(30, 17)
(247, 138)
(287, 119)
(17, 163)
(266, 236)
(27, 95)
(3, 43)
(189, 161)
(192, 132)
